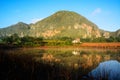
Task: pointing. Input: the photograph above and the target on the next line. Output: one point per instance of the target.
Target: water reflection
(54, 64)
(75, 52)
(108, 70)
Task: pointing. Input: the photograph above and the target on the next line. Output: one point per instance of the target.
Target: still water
(107, 70)
(60, 64)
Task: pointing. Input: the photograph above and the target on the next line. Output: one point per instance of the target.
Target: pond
(59, 64)
(109, 70)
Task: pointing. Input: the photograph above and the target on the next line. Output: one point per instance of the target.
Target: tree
(13, 39)
(86, 39)
(99, 39)
(118, 38)
(111, 39)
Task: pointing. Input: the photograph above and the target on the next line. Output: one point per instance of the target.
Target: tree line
(40, 41)
(101, 39)
(28, 41)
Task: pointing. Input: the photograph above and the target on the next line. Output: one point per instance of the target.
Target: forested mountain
(60, 24)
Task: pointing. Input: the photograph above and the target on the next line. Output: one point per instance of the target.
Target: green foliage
(111, 39)
(14, 39)
(31, 41)
(28, 41)
(57, 42)
(86, 39)
(100, 39)
(68, 40)
(118, 38)
(23, 41)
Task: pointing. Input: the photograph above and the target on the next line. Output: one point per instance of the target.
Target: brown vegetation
(101, 45)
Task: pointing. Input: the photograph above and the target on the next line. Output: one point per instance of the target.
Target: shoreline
(113, 45)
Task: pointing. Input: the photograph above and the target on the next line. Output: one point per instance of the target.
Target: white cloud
(35, 20)
(96, 11)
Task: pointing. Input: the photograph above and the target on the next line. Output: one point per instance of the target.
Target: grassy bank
(115, 45)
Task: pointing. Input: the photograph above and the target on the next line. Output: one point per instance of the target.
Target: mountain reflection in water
(108, 70)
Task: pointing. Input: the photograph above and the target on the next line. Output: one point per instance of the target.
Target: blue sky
(104, 13)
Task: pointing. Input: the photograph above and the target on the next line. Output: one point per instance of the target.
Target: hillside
(65, 23)
(116, 33)
(60, 24)
(20, 28)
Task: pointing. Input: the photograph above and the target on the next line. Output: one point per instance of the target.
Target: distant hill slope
(60, 24)
(20, 28)
(116, 33)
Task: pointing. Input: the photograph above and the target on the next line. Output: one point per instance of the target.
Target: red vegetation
(101, 45)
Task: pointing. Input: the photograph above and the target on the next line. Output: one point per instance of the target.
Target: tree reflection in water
(35, 64)
(108, 70)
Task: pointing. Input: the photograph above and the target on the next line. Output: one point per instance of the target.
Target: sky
(104, 13)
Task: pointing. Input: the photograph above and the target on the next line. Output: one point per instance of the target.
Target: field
(101, 45)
